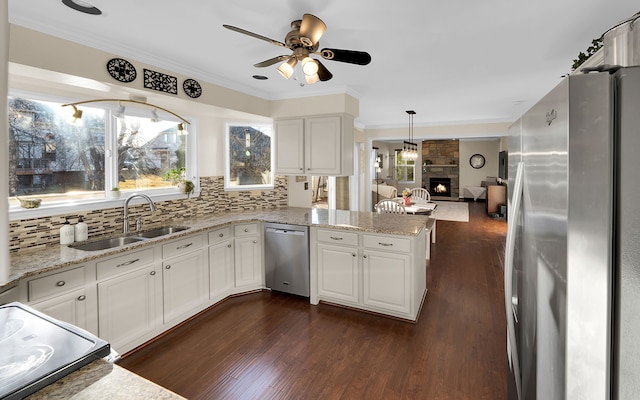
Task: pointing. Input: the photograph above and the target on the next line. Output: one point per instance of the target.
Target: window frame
(79, 204)
(227, 168)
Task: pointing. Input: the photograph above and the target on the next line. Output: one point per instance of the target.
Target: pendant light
(409, 148)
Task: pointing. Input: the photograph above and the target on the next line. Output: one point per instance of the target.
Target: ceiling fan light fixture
(286, 68)
(311, 79)
(309, 66)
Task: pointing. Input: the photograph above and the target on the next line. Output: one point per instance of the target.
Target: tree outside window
(249, 157)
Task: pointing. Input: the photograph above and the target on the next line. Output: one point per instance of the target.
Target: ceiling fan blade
(255, 35)
(271, 61)
(311, 29)
(323, 72)
(348, 56)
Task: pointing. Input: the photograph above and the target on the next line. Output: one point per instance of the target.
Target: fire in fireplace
(440, 186)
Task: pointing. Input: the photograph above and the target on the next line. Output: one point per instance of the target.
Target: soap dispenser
(81, 230)
(67, 233)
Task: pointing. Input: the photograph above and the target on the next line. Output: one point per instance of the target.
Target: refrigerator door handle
(514, 210)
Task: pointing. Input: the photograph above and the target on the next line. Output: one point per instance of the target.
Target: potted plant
(187, 187)
(114, 193)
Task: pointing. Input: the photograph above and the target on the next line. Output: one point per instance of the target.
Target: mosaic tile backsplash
(40, 232)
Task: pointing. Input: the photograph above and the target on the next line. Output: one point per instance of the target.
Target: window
(248, 157)
(63, 163)
(405, 169)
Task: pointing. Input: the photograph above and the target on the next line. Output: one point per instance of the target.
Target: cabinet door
(387, 280)
(127, 306)
(72, 308)
(248, 263)
(338, 273)
(289, 147)
(220, 270)
(322, 146)
(185, 285)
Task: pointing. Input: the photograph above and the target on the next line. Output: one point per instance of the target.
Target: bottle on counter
(67, 233)
(81, 230)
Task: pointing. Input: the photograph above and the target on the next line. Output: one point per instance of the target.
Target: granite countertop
(30, 263)
(103, 380)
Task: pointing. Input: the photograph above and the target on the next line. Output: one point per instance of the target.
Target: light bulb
(309, 66)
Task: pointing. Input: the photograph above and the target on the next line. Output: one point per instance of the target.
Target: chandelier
(410, 148)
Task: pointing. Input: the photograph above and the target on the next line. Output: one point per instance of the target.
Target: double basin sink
(110, 243)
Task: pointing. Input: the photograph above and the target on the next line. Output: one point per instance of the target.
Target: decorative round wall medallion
(121, 70)
(192, 88)
(477, 161)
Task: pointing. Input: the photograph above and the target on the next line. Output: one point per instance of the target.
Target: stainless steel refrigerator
(572, 264)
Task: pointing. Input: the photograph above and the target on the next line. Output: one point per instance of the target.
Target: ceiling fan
(303, 40)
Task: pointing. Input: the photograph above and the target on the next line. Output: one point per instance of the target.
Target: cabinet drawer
(338, 237)
(182, 246)
(220, 235)
(124, 263)
(55, 284)
(245, 229)
(388, 243)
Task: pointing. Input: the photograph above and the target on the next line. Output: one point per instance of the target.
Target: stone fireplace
(440, 160)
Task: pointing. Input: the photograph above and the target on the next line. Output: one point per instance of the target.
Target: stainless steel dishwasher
(286, 257)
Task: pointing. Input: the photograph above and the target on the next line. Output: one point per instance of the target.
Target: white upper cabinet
(315, 146)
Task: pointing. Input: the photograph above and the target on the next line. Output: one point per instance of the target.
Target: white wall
(470, 176)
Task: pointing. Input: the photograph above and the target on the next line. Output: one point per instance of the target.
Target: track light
(286, 68)
(77, 114)
(181, 130)
(76, 118)
(119, 113)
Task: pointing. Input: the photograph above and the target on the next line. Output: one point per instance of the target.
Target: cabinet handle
(82, 298)
(246, 229)
(184, 246)
(255, 241)
(152, 273)
(221, 235)
(124, 264)
(168, 267)
(365, 256)
(229, 245)
(353, 254)
(60, 283)
(335, 238)
(385, 244)
(301, 169)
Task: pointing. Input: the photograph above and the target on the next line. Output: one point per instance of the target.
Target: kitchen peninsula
(362, 260)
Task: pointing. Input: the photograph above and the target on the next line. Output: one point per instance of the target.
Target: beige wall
(470, 176)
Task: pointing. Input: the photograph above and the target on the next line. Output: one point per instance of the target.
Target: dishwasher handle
(285, 231)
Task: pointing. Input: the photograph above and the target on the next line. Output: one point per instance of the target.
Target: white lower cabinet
(185, 278)
(66, 296)
(248, 264)
(128, 311)
(387, 280)
(380, 273)
(221, 278)
(338, 273)
(75, 307)
(185, 285)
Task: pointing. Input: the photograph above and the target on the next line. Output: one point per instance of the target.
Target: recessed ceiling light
(82, 6)
(260, 77)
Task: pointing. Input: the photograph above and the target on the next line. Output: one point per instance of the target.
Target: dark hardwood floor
(275, 346)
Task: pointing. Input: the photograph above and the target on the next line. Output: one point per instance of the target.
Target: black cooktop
(36, 350)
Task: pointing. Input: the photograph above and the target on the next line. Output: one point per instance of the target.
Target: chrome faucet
(152, 208)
